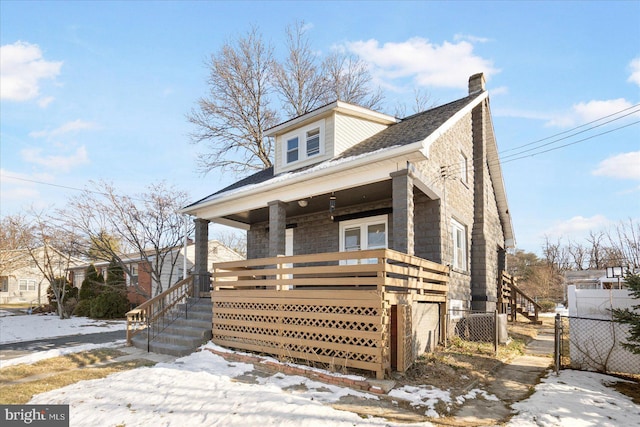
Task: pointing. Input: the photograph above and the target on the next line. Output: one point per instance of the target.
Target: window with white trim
(4, 283)
(132, 279)
(464, 168)
(313, 142)
(363, 234)
(303, 143)
(292, 150)
(27, 285)
(459, 245)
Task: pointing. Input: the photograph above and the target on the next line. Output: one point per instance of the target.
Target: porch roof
(415, 129)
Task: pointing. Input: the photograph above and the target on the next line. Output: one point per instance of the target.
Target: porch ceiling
(368, 193)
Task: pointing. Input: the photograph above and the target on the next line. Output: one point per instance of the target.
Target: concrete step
(183, 335)
(140, 341)
(188, 330)
(196, 323)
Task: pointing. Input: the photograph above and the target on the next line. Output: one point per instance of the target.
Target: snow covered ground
(37, 326)
(199, 390)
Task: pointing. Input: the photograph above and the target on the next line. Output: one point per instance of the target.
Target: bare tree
(243, 75)
(597, 251)
(147, 225)
(233, 118)
(348, 79)
(51, 249)
(236, 241)
(16, 234)
(422, 101)
(556, 255)
(624, 240)
(579, 254)
(298, 79)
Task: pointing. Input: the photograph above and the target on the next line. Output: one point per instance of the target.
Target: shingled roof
(409, 130)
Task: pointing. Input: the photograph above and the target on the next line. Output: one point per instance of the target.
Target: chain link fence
(477, 326)
(593, 345)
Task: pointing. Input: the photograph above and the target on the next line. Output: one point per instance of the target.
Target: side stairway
(513, 301)
(190, 329)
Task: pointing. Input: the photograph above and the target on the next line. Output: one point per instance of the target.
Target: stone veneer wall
(456, 201)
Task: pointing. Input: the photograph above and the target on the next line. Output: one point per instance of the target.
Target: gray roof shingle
(409, 130)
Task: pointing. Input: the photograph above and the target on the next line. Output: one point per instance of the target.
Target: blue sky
(100, 90)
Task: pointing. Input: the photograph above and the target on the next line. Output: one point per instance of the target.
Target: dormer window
(292, 150)
(304, 143)
(313, 142)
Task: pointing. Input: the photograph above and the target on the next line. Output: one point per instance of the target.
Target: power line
(578, 127)
(66, 187)
(457, 167)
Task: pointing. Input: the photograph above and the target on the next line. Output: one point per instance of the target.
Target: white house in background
(139, 281)
(22, 282)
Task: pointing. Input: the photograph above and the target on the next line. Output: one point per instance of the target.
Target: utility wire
(457, 167)
(67, 187)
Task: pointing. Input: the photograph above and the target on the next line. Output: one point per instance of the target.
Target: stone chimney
(476, 83)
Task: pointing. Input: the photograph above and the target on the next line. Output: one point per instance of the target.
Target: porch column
(403, 230)
(201, 275)
(277, 227)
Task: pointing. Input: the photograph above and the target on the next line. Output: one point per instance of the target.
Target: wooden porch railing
(382, 269)
(517, 301)
(155, 315)
(330, 308)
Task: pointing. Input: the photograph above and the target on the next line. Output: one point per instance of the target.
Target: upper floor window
(133, 277)
(464, 168)
(459, 244)
(303, 143)
(313, 142)
(292, 150)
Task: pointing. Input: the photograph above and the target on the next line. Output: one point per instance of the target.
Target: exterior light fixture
(303, 203)
(332, 203)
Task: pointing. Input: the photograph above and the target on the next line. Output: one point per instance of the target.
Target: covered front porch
(373, 310)
(342, 269)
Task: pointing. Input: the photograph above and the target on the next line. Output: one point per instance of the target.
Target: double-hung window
(292, 149)
(313, 142)
(362, 234)
(459, 245)
(27, 285)
(4, 283)
(303, 143)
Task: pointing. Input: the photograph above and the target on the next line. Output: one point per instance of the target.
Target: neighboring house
(139, 280)
(21, 281)
(348, 179)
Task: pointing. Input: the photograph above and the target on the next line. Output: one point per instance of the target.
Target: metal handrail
(157, 313)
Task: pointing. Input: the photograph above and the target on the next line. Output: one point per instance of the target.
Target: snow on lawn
(198, 390)
(38, 326)
(576, 399)
(42, 355)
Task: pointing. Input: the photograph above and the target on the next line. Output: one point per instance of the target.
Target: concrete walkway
(510, 383)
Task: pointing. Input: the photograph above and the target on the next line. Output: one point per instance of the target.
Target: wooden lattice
(319, 326)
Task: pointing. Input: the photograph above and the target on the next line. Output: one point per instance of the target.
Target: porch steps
(531, 316)
(184, 334)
